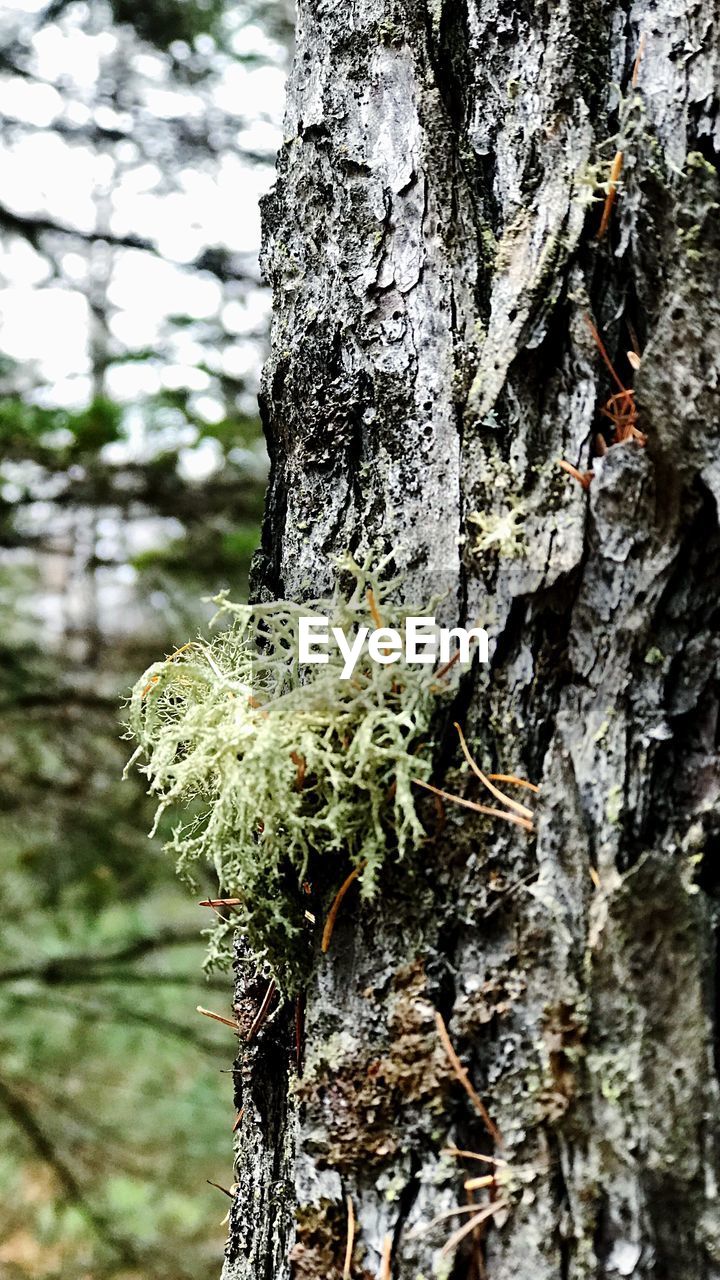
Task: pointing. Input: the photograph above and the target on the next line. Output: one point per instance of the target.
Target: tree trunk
(433, 247)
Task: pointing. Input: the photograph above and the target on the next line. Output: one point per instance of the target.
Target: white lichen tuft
(277, 765)
(500, 531)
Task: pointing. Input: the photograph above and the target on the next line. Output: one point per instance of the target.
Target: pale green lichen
(602, 731)
(654, 657)
(614, 805)
(500, 531)
(279, 766)
(696, 160)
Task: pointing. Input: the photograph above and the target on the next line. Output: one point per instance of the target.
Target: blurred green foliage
(106, 1070)
(165, 21)
(115, 1096)
(57, 437)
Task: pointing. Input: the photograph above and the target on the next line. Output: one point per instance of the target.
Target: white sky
(46, 322)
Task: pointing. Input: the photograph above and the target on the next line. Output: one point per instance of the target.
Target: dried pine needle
(218, 1017)
(638, 60)
(262, 1012)
(478, 1184)
(612, 187)
(473, 1155)
(459, 1212)
(494, 791)
(509, 779)
(477, 808)
(584, 478)
(386, 1258)
(464, 1079)
(347, 1269)
(372, 606)
(332, 914)
(458, 1236)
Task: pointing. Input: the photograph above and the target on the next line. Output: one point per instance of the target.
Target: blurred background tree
(137, 139)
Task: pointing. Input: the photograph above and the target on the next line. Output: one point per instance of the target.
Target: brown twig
(451, 661)
(465, 1081)
(619, 408)
(504, 894)
(618, 159)
(448, 666)
(170, 658)
(601, 348)
(457, 1212)
(238, 1120)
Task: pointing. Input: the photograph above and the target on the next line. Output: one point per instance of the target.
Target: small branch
(424, 1229)
(31, 226)
(44, 1147)
(74, 966)
(224, 1190)
(114, 1012)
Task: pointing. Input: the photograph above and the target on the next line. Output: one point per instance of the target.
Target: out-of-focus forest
(136, 141)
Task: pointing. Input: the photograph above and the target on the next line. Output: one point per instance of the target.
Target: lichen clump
(280, 766)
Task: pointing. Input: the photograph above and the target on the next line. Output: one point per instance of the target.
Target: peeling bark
(431, 243)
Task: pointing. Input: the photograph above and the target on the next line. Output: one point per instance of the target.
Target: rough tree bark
(432, 246)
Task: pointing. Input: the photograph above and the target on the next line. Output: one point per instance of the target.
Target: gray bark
(432, 249)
